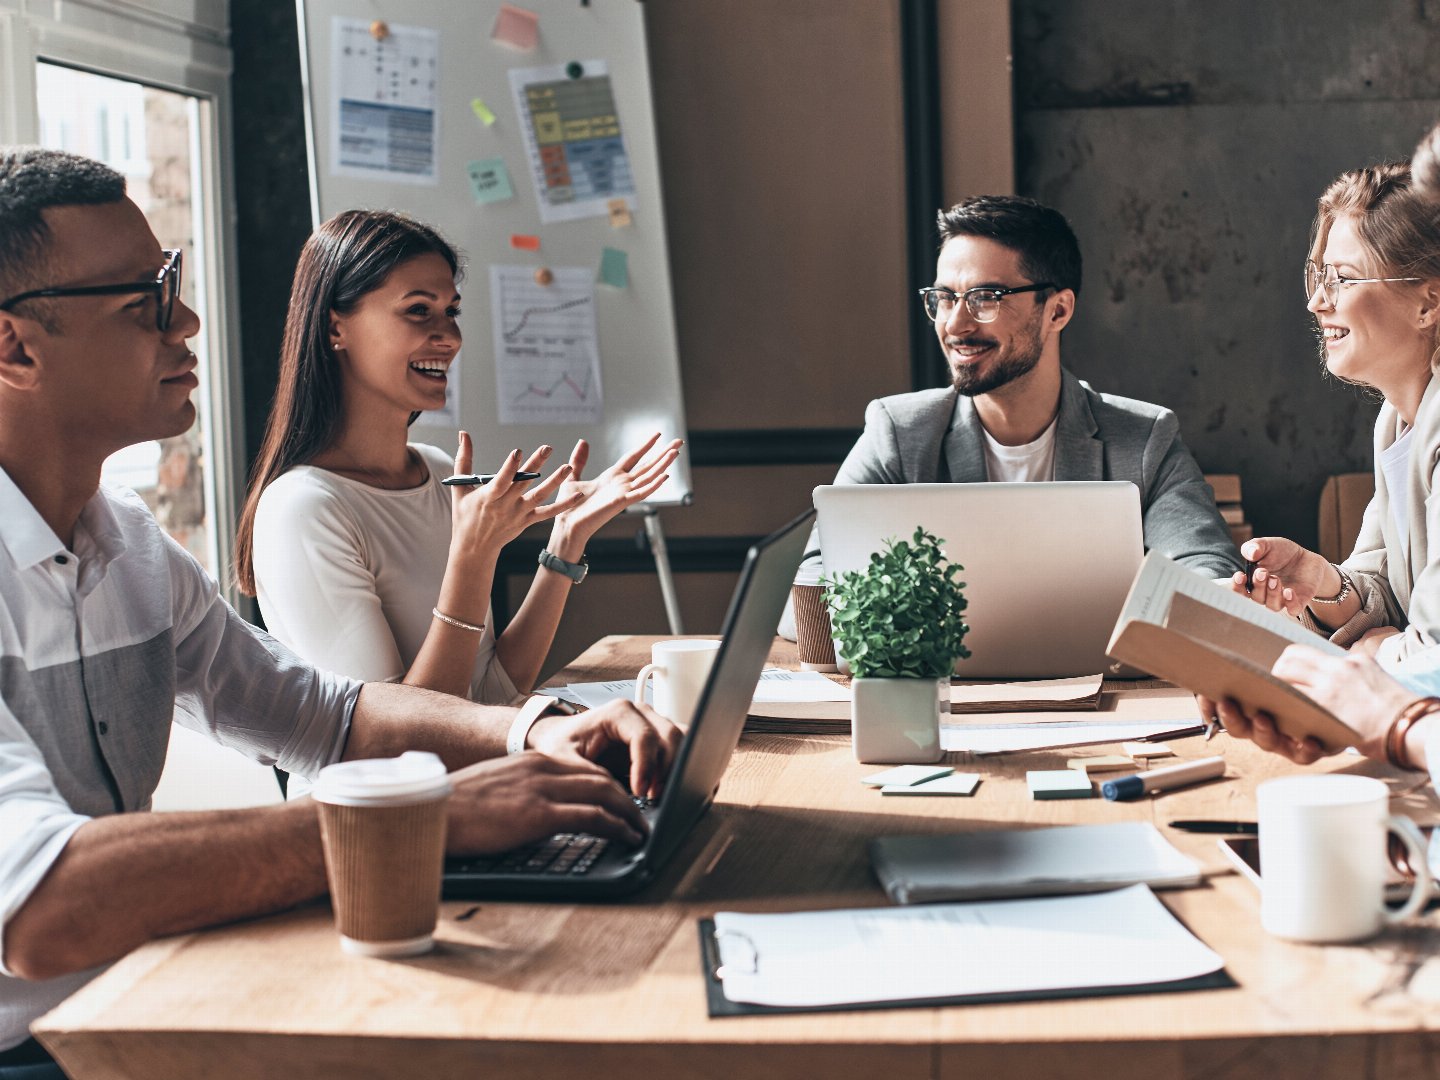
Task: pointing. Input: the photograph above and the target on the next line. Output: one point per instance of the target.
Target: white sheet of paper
(547, 347)
(776, 684)
(1004, 738)
(1122, 938)
(1071, 689)
(384, 122)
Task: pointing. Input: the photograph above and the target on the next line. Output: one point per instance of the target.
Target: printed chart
(572, 139)
(384, 122)
(547, 352)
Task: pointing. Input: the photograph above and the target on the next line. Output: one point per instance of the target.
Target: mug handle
(645, 673)
(1410, 836)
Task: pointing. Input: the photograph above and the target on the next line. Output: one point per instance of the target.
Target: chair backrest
(1342, 506)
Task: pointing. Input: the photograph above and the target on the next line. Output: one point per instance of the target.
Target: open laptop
(1047, 565)
(581, 867)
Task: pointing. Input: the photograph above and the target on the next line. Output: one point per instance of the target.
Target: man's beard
(1017, 360)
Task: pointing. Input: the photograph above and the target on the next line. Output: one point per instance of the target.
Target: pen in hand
(1249, 575)
(474, 480)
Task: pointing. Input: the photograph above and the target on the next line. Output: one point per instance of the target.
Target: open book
(1183, 627)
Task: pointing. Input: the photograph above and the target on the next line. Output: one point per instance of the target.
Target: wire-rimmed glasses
(1329, 279)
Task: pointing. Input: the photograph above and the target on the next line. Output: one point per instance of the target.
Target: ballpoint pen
(474, 480)
(1211, 726)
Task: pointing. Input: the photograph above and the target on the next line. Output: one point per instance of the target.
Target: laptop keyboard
(563, 853)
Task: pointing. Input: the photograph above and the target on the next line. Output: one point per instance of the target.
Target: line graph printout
(547, 352)
(384, 124)
(573, 141)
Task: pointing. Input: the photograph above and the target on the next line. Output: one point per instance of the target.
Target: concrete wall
(1187, 143)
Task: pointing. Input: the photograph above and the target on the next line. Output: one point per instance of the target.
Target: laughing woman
(1373, 281)
(361, 561)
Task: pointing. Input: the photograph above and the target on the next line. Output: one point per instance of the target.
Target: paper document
(998, 863)
(1007, 738)
(1120, 938)
(1079, 692)
(383, 119)
(776, 685)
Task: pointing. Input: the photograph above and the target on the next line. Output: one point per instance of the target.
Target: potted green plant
(898, 625)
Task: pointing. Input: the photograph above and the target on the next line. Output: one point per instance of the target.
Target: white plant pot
(897, 721)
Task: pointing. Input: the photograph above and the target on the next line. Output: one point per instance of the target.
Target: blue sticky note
(614, 269)
(490, 180)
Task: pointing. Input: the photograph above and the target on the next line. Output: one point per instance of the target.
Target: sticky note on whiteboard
(525, 242)
(516, 27)
(614, 269)
(490, 180)
(482, 112)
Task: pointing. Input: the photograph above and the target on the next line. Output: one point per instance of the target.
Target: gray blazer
(934, 436)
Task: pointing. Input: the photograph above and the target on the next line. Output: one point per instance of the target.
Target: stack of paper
(1028, 862)
(1042, 695)
(953, 953)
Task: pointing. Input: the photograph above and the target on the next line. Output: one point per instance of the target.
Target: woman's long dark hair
(345, 258)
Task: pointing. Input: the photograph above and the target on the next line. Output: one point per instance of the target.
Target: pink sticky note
(525, 243)
(516, 27)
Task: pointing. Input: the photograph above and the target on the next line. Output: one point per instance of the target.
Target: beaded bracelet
(459, 624)
(1395, 752)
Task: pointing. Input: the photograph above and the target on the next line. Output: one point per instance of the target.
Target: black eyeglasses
(983, 302)
(166, 287)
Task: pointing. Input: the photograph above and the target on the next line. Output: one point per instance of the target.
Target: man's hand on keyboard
(498, 805)
(611, 734)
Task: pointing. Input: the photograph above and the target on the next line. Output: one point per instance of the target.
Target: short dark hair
(33, 180)
(1041, 236)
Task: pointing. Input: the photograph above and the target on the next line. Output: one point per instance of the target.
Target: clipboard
(718, 1005)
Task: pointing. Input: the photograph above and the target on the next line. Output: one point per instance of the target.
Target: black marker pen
(472, 480)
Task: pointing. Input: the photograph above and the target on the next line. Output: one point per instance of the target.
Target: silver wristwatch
(575, 571)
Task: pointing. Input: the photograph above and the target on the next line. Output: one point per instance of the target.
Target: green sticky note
(482, 112)
(490, 180)
(1059, 784)
(614, 269)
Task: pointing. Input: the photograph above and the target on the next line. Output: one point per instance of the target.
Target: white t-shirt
(347, 574)
(1034, 461)
(1395, 464)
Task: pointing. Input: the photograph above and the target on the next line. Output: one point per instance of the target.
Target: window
(152, 137)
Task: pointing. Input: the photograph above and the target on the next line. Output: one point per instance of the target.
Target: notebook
(1028, 862)
(577, 867)
(1047, 565)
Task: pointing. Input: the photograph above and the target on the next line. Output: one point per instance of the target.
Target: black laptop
(574, 866)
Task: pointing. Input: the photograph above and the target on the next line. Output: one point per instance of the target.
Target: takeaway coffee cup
(812, 622)
(383, 826)
(1324, 860)
(679, 669)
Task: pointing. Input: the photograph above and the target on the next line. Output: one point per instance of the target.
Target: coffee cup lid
(809, 575)
(411, 777)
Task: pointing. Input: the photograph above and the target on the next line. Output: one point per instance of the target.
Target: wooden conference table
(531, 990)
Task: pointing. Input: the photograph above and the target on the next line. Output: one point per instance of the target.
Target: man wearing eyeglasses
(1006, 284)
(109, 631)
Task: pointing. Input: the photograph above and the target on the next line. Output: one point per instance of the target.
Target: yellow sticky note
(619, 213)
(482, 112)
(516, 27)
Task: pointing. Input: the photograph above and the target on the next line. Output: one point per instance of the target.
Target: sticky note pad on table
(1059, 784)
(907, 775)
(516, 27)
(1143, 751)
(614, 269)
(490, 180)
(1103, 763)
(482, 112)
(525, 242)
(960, 783)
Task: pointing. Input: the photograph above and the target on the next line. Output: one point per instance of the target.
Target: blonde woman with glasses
(1373, 283)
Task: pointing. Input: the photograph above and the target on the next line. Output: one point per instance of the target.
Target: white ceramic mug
(1324, 861)
(680, 669)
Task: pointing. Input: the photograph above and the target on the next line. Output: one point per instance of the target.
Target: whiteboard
(600, 361)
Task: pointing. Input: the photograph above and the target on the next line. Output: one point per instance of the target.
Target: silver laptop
(574, 866)
(1047, 566)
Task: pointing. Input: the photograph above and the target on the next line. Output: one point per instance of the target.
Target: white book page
(1161, 578)
(1009, 738)
(1120, 938)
